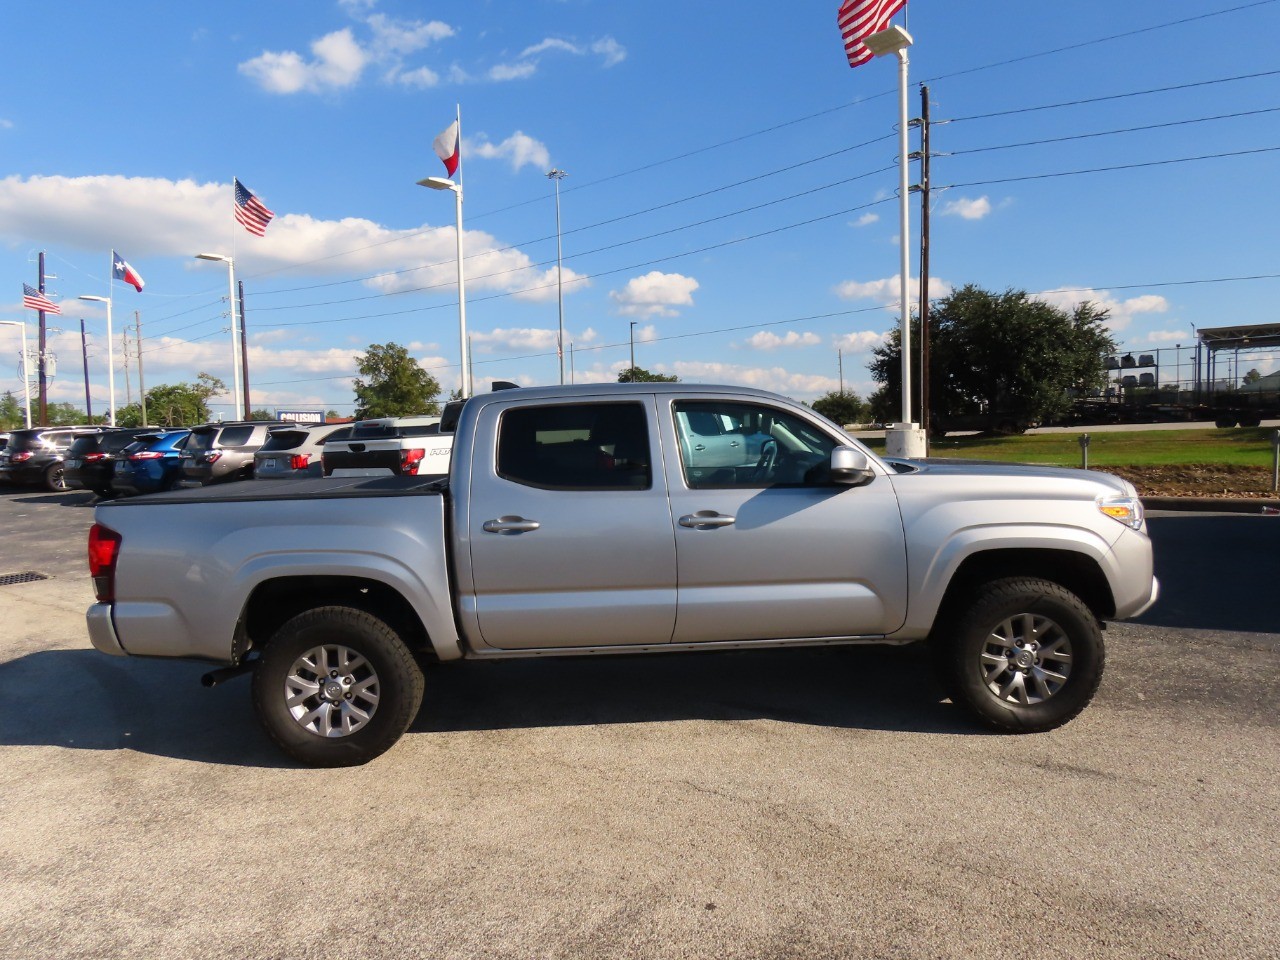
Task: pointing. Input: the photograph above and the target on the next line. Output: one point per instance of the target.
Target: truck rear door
(568, 530)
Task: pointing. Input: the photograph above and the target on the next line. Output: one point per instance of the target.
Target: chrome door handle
(733, 443)
(706, 520)
(510, 525)
(699, 446)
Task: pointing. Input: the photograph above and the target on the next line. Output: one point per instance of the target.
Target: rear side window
(581, 446)
(115, 442)
(201, 440)
(235, 436)
(83, 445)
(285, 440)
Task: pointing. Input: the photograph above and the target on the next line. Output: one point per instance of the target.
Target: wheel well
(275, 602)
(1074, 571)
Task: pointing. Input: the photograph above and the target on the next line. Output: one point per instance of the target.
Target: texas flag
(120, 270)
(447, 147)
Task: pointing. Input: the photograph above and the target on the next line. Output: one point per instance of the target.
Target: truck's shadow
(82, 700)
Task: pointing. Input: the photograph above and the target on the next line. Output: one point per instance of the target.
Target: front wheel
(336, 687)
(1025, 657)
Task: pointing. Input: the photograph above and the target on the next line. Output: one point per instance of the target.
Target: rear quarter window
(235, 436)
(582, 446)
(285, 440)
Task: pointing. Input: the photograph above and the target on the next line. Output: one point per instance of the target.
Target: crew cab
(582, 520)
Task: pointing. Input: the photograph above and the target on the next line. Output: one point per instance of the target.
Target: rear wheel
(336, 687)
(54, 478)
(1026, 656)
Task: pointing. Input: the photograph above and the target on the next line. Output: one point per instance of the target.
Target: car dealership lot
(796, 803)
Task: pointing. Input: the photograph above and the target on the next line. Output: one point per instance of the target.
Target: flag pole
(231, 306)
(462, 287)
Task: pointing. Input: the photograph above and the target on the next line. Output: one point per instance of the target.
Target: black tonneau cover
(308, 488)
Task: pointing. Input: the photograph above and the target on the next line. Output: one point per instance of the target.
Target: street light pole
(633, 346)
(557, 176)
(235, 333)
(111, 359)
(26, 371)
(440, 183)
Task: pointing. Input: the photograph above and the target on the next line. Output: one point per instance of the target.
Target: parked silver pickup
(588, 520)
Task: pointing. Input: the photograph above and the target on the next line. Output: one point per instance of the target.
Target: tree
(842, 408)
(332, 416)
(261, 414)
(12, 413)
(67, 415)
(391, 384)
(1005, 356)
(641, 375)
(175, 405)
(1253, 376)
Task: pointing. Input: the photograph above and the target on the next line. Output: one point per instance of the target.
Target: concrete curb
(1250, 505)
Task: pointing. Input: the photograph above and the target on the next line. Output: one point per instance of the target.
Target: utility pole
(124, 348)
(840, 365)
(142, 388)
(924, 264)
(84, 355)
(244, 355)
(44, 383)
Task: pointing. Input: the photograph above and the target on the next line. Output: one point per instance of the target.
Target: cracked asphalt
(809, 803)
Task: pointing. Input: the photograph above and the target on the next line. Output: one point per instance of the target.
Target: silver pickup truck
(602, 519)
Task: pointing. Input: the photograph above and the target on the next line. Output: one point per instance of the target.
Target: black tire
(55, 479)
(1225, 423)
(1250, 421)
(1065, 642)
(396, 686)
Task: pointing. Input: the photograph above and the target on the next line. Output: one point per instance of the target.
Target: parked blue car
(151, 463)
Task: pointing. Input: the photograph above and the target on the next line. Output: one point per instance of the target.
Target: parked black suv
(34, 457)
(220, 452)
(91, 458)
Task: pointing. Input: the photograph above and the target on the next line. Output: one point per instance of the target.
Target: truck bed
(308, 488)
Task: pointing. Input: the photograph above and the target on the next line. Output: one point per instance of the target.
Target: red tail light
(212, 457)
(21, 457)
(146, 455)
(90, 457)
(300, 461)
(409, 461)
(104, 549)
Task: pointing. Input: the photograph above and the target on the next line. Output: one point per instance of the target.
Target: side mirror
(850, 466)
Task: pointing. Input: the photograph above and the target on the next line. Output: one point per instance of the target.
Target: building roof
(1240, 336)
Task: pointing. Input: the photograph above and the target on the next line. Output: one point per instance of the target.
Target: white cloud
(861, 341)
(654, 295)
(6, 124)
(512, 71)
(767, 340)
(550, 43)
(1122, 311)
(398, 37)
(150, 217)
(1165, 336)
(338, 62)
(518, 149)
(966, 208)
(339, 58)
(866, 220)
(422, 78)
(886, 291)
(536, 339)
(805, 386)
(611, 50)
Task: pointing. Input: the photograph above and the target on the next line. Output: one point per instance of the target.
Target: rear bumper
(102, 631)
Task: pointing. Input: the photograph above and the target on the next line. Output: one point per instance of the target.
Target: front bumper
(102, 630)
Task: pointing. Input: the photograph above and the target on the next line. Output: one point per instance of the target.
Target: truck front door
(568, 528)
(768, 548)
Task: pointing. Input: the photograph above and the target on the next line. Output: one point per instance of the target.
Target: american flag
(859, 19)
(33, 299)
(250, 211)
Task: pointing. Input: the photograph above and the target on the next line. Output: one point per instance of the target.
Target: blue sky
(715, 180)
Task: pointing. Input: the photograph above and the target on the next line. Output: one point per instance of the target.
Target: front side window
(579, 446)
(728, 444)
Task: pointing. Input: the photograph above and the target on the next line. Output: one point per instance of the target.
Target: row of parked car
(125, 461)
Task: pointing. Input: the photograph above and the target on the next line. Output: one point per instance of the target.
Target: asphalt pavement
(810, 803)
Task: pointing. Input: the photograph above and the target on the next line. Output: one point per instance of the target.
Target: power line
(1111, 96)
(1122, 166)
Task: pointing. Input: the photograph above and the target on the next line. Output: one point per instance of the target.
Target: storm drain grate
(9, 579)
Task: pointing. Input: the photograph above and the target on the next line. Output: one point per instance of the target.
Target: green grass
(1241, 446)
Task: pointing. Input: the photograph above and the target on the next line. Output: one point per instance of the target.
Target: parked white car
(404, 446)
(294, 451)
